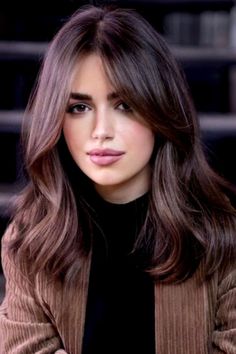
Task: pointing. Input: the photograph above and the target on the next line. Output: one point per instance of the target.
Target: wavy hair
(190, 218)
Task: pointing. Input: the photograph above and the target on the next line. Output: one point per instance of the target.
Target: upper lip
(105, 152)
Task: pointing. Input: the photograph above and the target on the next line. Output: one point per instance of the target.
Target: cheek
(146, 148)
(141, 138)
(73, 136)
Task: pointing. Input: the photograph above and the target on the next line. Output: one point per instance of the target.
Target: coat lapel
(66, 307)
(184, 313)
(184, 316)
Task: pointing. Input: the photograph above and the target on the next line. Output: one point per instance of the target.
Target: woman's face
(107, 140)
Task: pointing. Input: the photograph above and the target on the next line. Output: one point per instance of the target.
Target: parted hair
(190, 218)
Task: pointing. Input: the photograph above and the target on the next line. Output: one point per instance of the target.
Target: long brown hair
(190, 218)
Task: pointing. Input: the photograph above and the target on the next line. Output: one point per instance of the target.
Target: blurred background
(202, 35)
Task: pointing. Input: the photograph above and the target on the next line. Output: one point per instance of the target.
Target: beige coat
(190, 318)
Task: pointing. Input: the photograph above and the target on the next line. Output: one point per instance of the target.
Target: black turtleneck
(120, 308)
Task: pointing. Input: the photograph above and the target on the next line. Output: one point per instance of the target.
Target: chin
(106, 183)
(106, 179)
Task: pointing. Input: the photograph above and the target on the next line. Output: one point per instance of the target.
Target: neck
(122, 194)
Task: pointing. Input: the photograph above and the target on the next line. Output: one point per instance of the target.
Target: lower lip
(104, 160)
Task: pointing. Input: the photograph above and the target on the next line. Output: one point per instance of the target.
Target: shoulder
(12, 267)
(227, 278)
(9, 236)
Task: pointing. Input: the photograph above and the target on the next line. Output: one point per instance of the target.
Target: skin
(96, 120)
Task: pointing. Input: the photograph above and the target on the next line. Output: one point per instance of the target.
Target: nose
(103, 127)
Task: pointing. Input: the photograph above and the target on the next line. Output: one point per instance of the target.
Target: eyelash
(128, 109)
(73, 109)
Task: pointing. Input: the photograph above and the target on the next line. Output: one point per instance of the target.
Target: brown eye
(124, 107)
(78, 108)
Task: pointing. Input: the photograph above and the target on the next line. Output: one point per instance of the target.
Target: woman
(124, 238)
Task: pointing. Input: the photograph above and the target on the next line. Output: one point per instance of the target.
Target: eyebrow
(83, 96)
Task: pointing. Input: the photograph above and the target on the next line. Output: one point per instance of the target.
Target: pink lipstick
(105, 157)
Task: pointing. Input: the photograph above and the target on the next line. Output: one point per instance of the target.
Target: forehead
(89, 72)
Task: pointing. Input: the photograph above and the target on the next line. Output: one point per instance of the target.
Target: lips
(104, 157)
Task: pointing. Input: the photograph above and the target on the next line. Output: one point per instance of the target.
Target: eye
(78, 108)
(122, 106)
